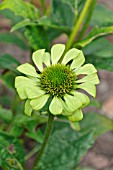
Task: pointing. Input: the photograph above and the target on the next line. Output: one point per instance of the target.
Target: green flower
(57, 82)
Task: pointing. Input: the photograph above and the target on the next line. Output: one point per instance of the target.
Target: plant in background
(55, 87)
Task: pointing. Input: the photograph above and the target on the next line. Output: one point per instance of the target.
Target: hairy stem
(47, 135)
(78, 24)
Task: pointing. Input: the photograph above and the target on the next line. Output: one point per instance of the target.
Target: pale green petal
(83, 98)
(34, 92)
(56, 106)
(72, 102)
(76, 116)
(46, 59)
(71, 54)
(86, 69)
(21, 93)
(27, 69)
(90, 88)
(78, 61)
(38, 103)
(38, 59)
(56, 52)
(21, 81)
(28, 108)
(65, 111)
(92, 78)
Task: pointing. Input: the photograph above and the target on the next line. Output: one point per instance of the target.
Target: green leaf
(13, 39)
(102, 16)
(101, 48)
(21, 8)
(5, 100)
(97, 122)
(94, 34)
(5, 114)
(8, 79)
(37, 136)
(37, 37)
(8, 62)
(65, 149)
(60, 9)
(101, 63)
(11, 152)
(51, 23)
(6, 13)
(23, 23)
(100, 53)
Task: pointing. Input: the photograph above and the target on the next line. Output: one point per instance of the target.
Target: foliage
(33, 28)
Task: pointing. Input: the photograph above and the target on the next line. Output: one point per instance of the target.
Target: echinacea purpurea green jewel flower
(58, 82)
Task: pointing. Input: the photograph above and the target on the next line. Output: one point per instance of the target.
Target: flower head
(58, 82)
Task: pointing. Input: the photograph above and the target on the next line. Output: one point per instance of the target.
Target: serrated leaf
(37, 37)
(5, 114)
(94, 34)
(8, 62)
(23, 23)
(11, 152)
(65, 149)
(12, 39)
(21, 8)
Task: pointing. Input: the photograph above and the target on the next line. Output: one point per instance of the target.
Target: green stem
(43, 6)
(32, 152)
(89, 15)
(47, 135)
(78, 24)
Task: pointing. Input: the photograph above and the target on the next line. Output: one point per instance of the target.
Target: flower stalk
(78, 24)
(45, 141)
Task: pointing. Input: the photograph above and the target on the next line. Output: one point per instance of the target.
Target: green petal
(38, 103)
(21, 93)
(56, 106)
(65, 111)
(92, 78)
(90, 88)
(21, 81)
(72, 103)
(76, 116)
(46, 59)
(86, 69)
(71, 54)
(34, 92)
(78, 61)
(38, 59)
(83, 98)
(28, 108)
(27, 69)
(56, 52)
